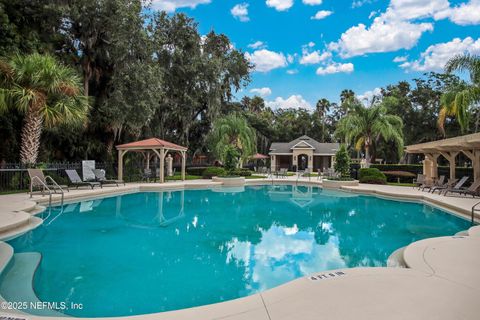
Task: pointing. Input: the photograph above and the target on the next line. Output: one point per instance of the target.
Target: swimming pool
(156, 251)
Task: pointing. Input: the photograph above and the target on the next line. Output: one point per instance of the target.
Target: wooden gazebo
(469, 145)
(148, 147)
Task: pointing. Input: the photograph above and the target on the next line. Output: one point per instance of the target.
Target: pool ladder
(46, 188)
(475, 209)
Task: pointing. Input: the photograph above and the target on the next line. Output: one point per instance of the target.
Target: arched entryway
(302, 161)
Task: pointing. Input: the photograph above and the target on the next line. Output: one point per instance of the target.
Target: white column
(120, 164)
(162, 165)
(184, 163)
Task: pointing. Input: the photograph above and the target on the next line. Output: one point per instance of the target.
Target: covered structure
(450, 148)
(302, 153)
(151, 147)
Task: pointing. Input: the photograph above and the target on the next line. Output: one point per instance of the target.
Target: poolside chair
(76, 181)
(100, 176)
(283, 172)
(39, 181)
(452, 184)
(147, 174)
(419, 181)
(306, 173)
(472, 190)
(439, 183)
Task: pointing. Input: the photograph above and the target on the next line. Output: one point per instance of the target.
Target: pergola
(147, 148)
(449, 149)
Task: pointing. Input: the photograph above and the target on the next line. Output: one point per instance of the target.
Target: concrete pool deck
(442, 281)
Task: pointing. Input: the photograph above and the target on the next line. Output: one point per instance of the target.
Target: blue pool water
(157, 251)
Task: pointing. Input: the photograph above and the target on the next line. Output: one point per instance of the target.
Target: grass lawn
(400, 184)
(255, 177)
(177, 177)
(12, 191)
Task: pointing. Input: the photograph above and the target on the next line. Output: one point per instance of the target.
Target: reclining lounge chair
(76, 181)
(39, 181)
(100, 176)
(472, 190)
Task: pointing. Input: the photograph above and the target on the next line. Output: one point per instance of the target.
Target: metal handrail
(473, 212)
(44, 187)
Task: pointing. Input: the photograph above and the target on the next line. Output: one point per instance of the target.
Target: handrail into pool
(474, 209)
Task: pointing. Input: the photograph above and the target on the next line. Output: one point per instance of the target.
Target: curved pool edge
(340, 294)
(258, 306)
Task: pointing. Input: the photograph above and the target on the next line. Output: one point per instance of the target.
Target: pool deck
(441, 282)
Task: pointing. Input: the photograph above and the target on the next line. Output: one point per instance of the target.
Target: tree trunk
(31, 132)
(367, 155)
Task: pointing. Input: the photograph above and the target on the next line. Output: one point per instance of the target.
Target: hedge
(372, 176)
(241, 172)
(210, 172)
(413, 168)
(196, 171)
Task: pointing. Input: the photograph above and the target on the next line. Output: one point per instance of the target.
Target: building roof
(467, 142)
(152, 143)
(304, 142)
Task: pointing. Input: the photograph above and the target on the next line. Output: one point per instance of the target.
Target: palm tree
(233, 131)
(323, 107)
(458, 100)
(365, 125)
(45, 92)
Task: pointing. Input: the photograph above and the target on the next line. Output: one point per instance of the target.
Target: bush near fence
(413, 168)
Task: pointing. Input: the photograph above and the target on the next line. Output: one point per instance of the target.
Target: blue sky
(353, 44)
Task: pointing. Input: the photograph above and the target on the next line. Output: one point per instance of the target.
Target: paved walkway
(442, 282)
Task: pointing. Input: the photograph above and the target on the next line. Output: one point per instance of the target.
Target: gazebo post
(450, 156)
(184, 156)
(148, 160)
(121, 153)
(162, 165)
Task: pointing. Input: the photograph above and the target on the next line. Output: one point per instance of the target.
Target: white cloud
(293, 102)
(311, 44)
(464, 14)
(367, 96)
(335, 68)
(280, 5)
(381, 36)
(314, 57)
(291, 57)
(414, 9)
(263, 92)
(322, 14)
(257, 45)
(435, 57)
(266, 60)
(360, 3)
(172, 5)
(240, 12)
(400, 59)
(396, 28)
(292, 71)
(312, 2)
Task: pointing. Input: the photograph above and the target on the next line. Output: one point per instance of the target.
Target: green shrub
(241, 172)
(231, 156)
(213, 172)
(196, 171)
(372, 176)
(342, 162)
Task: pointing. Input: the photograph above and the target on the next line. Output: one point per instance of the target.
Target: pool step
(463, 233)
(17, 279)
(395, 260)
(6, 254)
(18, 230)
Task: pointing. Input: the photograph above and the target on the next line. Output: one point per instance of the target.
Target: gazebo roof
(259, 156)
(152, 143)
(467, 142)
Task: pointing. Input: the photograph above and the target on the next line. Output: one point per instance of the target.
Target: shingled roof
(304, 142)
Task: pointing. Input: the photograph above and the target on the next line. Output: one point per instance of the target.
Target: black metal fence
(14, 176)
